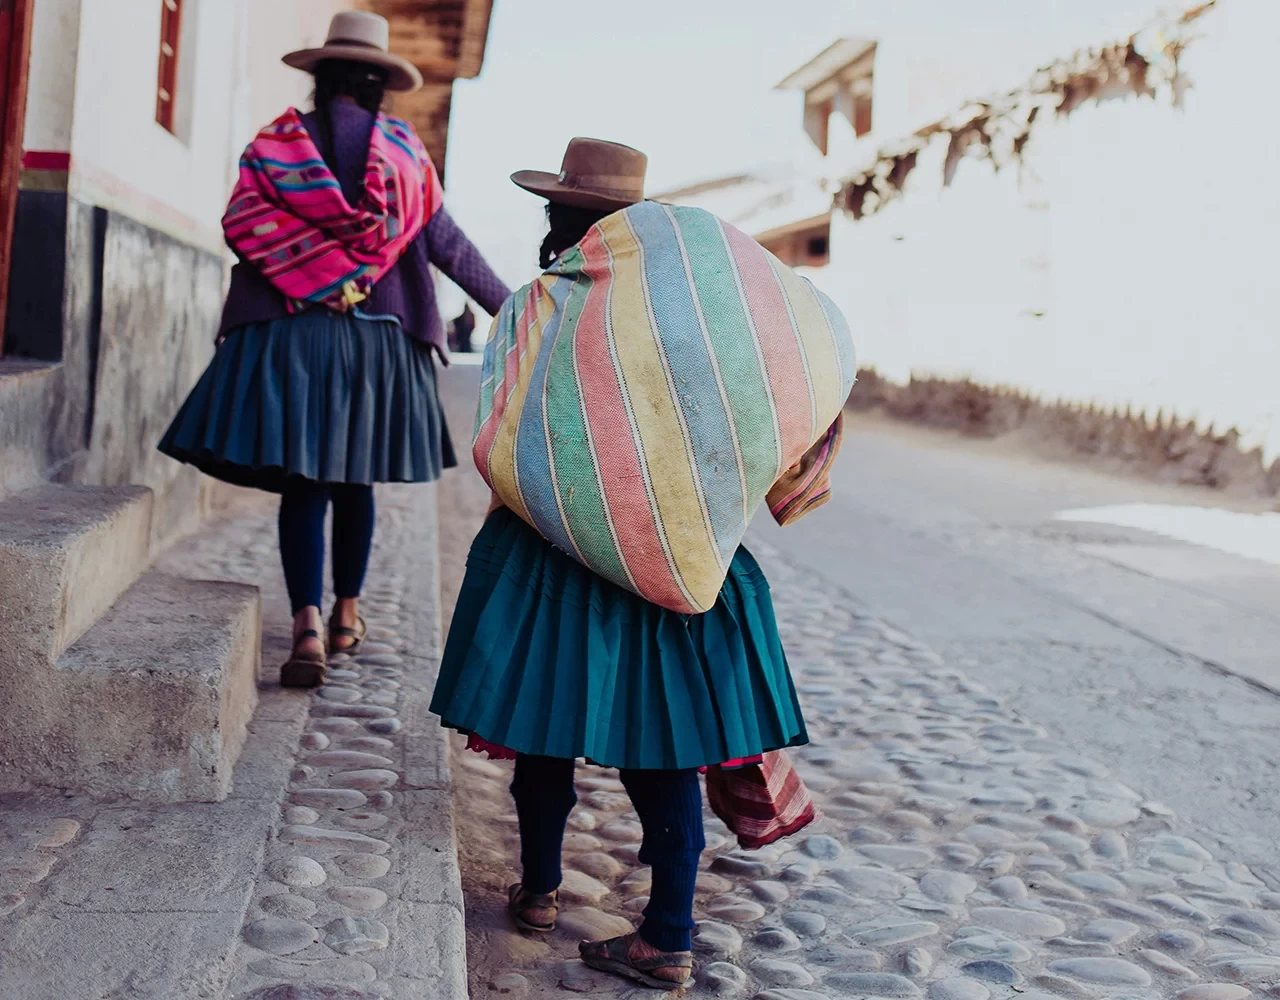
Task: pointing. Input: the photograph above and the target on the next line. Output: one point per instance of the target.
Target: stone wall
(161, 301)
(47, 393)
(112, 323)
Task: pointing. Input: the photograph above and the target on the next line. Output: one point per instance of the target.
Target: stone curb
(361, 884)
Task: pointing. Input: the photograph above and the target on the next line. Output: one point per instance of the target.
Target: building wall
(1127, 266)
(96, 102)
(276, 28)
(119, 266)
(51, 85)
(120, 157)
(919, 77)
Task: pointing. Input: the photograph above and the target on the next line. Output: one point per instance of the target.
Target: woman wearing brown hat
(323, 382)
(548, 662)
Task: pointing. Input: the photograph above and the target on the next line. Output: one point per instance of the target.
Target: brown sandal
(533, 911)
(304, 669)
(614, 956)
(356, 634)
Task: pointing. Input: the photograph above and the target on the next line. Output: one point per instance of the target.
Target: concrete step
(66, 554)
(158, 694)
(115, 680)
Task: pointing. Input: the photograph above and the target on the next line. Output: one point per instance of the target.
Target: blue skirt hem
(545, 657)
(318, 396)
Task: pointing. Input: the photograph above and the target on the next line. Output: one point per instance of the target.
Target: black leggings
(303, 504)
(669, 804)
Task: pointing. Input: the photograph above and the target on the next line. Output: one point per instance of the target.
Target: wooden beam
(445, 39)
(15, 63)
(475, 38)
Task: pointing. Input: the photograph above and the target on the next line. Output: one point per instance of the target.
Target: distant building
(1117, 264)
(854, 93)
(786, 211)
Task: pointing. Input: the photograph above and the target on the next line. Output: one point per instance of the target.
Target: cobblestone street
(329, 873)
(358, 883)
(963, 855)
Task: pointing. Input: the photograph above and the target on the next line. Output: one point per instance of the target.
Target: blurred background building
(1116, 261)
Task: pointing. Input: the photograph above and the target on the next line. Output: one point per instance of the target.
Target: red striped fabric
(761, 804)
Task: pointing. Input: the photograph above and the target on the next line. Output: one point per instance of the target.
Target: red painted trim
(145, 208)
(16, 17)
(45, 159)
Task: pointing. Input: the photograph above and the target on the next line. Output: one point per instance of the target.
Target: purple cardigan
(406, 291)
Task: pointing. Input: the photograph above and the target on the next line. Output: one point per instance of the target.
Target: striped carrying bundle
(641, 398)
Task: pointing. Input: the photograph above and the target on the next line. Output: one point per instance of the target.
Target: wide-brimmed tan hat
(594, 174)
(359, 36)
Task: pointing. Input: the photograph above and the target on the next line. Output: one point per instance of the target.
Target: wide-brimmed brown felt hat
(594, 174)
(359, 36)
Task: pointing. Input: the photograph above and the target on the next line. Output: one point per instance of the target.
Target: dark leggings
(303, 504)
(669, 804)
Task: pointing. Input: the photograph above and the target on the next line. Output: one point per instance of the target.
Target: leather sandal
(355, 634)
(533, 911)
(304, 669)
(614, 956)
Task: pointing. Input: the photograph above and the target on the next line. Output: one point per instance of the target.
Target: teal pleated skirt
(545, 657)
(321, 396)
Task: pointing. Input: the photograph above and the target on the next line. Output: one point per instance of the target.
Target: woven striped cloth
(643, 396)
(289, 217)
(806, 486)
(763, 803)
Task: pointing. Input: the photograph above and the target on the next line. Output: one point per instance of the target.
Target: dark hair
(568, 226)
(364, 83)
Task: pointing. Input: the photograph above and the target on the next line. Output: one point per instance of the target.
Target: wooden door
(15, 54)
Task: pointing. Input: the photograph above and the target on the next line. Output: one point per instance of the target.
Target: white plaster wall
(121, 158)
(97, 100)
(1144, 235)
(51, 85)
(922, 76)
(280, 26)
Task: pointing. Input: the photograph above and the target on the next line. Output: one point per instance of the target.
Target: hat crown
(593, 174)
(360, 27)
(610, 166)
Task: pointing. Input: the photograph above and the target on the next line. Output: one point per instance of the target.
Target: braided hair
(364, 83)
(568, 227)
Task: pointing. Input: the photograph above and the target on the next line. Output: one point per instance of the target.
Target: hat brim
(402, 76)
(548, 185)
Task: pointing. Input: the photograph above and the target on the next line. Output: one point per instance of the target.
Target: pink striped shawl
(289, 218)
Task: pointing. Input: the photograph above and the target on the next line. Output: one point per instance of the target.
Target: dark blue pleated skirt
(545, 657)
(321, 396)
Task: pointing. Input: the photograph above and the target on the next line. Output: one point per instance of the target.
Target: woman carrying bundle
(551, 661)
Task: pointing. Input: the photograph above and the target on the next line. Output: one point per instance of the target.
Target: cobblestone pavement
(963, 855)
(359, 893)
(329, 874)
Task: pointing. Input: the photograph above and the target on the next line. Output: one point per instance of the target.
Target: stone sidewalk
(331, 870)
(963, 856)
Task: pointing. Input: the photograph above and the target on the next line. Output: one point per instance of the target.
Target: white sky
(688, 81)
